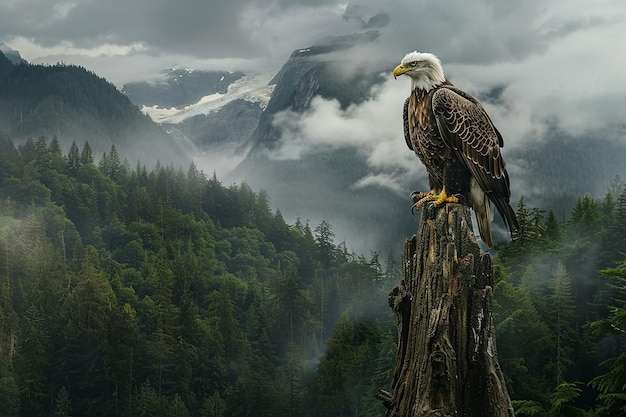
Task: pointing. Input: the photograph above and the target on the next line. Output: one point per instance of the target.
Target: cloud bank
(373, 128)
(535, 67)
(556, 63)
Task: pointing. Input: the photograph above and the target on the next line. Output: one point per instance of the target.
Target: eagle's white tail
(479, 202)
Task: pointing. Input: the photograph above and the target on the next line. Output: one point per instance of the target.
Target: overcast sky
(119, 39)
(560, 61)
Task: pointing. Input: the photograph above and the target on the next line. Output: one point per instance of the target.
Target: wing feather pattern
(405, 118)
(467, 129)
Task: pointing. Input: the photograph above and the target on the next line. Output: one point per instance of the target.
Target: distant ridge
(77, 105)
(13, 55)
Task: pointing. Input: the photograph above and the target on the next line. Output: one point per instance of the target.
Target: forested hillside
(165, 293)
(559, 309)
(74, 104)
(128, 291)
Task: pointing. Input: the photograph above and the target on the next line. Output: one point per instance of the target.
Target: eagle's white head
(423, 68)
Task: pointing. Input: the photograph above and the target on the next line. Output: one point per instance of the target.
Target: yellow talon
(424, 197)
(443, 197)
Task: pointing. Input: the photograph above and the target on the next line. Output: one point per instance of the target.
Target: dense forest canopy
(128, 291)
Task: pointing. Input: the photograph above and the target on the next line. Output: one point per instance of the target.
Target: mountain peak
(11, 54)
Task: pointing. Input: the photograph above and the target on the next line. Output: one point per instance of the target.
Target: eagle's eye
(414, 64)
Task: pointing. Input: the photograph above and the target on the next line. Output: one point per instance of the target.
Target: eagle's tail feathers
(483, 218)
(508, 215)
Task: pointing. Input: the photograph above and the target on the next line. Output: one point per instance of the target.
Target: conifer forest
(128, 291)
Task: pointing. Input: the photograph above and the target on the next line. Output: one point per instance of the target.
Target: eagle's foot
(461, 199)
(419, 198)
(443, 198)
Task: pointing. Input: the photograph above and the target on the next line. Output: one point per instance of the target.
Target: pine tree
(10, 160)
(324, 238)
(114, 165)
(86, 156)
(28, 151)
(393, 268)
(553, 229)
(162, 342)
(611, 384)
(562, 307)
(176, 407)
(616, 187)
(32, 363)
(213, 406)
(9, 395)
(42, 153)
(8, 317)
(561, 404)
(523, 235)
(62, 404)
(149, 403)
(104, 164)
(586, 215)
(55, 146)
(523, 340)
(73, 159)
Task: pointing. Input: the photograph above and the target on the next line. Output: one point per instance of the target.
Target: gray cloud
(257, 32)
(373, 128)
(182, 26)
(554, 62)
(553, 66)
(198, 28)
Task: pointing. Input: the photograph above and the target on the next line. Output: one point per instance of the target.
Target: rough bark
(446, 364)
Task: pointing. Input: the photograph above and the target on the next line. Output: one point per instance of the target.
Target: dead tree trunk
(446, 364)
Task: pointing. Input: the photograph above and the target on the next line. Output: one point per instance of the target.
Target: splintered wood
(446, 363)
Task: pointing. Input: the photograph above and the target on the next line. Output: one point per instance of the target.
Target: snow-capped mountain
(207, 112)
(251, 88)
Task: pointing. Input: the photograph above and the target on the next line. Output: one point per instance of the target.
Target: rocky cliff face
(311, 72)
(231, 124)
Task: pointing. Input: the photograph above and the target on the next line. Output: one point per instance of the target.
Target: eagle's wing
(411, 127)
(405, 119)
(467, 129)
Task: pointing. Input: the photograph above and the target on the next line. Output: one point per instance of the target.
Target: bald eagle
(457, 142)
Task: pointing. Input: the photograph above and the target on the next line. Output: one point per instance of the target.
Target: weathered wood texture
(446, 364)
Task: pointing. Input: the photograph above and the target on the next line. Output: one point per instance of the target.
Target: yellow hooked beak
(400, 69)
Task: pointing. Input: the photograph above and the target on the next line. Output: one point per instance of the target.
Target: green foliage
(562, 308)
(561, 404)
(32, 362)
(557, 265)
(611, 384)
(9, 396)
(528, 408)
(350, 370)
(62, 404)
(562, 398)
(516, 318)
(160, 293)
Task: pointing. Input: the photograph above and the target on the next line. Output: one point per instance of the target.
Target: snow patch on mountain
(254, 88)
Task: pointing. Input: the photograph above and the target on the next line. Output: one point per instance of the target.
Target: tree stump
(446, 364)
